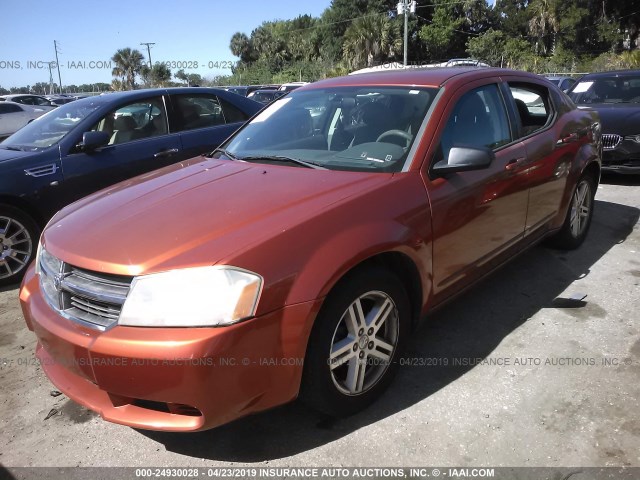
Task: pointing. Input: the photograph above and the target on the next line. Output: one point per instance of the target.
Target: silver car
(14, 116)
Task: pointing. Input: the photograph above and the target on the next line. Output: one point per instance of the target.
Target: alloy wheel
(364, 342)
(16, 247)
(580, 208)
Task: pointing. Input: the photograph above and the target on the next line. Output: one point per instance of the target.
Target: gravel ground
(534, 377)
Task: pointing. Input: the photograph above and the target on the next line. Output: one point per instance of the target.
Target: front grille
(91, 298)
(610, 141)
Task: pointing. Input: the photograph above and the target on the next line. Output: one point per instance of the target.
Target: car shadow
(469, 328)
(620, 179)
(8, 288)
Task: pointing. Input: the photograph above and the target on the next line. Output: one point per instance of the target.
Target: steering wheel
(400, 133)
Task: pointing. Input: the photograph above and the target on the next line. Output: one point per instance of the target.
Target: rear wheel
(18, 244)
(576, 224)
(355, 343)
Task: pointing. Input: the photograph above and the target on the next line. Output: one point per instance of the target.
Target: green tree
(182, 76)
(442, 36)
(370, 40)
(488, 47)
(157, 76)
(630, 59)
(544, 24)
(335, 21)
(240, 46)
(513, 19)
(128, 64)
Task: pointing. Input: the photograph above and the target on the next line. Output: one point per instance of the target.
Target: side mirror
(463, 159)
(94, 140)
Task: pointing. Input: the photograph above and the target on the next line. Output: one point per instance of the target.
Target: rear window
(613, 89)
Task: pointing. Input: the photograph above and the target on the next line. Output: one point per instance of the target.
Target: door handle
(165, 153)
(513, 164)
(572, 137)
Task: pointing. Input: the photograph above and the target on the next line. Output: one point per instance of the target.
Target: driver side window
(135, 121)
(479, 119)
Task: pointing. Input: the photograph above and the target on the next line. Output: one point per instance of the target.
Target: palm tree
(240, 46)
(128, 64)
(543, 22)
(369, 39)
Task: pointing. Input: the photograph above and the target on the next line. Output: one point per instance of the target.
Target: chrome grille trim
(42, 171)
(89, 298)
(610, 141)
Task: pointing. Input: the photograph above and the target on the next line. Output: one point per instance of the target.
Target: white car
(14, 116)
(31, 100)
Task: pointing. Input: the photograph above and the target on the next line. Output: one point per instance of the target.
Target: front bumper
(625, 158)
(174, 379)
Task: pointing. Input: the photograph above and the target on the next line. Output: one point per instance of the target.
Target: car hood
(7, 155)
(620, 118)
(194, 213)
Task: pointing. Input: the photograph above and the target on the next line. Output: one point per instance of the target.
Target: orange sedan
(296, 259)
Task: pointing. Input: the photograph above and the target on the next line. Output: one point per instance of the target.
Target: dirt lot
(557, 384)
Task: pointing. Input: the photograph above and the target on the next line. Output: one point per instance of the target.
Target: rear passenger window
(232, 114)
(533, 106)
(198, 111)
(9, 108)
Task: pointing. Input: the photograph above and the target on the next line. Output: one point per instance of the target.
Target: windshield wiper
(224, 152)
(281, 158)
(11, 147)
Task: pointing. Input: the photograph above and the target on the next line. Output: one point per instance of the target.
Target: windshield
(341, 128)
(613, 89)
(52, 127)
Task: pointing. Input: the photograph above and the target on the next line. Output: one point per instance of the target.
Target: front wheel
(18, 244)
(355, 343)
(576, 224)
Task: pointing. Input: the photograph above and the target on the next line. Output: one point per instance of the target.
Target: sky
(88, 33)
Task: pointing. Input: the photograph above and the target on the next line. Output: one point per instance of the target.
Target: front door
(140, 141)
(479, 214)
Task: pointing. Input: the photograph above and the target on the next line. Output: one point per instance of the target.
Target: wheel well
(25, 207)
(406, 271)
(593, 169)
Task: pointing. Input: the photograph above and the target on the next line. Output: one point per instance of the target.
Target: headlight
(633, 138)
(191, 297)
(38, 256)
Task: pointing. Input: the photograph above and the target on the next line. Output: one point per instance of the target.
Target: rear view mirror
(463, 159)
(93, 140)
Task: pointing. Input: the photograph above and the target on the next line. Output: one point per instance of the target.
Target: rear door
(476, 215)
(204, 121)
(549, 157)
(140, 141)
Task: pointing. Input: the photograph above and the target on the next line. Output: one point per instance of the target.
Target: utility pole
(404, 7)
(55, 47)
(50, 80)
(148, 44)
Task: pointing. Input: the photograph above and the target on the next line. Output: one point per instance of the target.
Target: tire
(578, 220)
(346, 383)
(18, 244)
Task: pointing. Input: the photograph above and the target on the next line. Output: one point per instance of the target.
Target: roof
(427, 77)
(612, 73)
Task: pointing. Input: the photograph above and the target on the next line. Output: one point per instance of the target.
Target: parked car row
(246, 90)
(296, 259)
